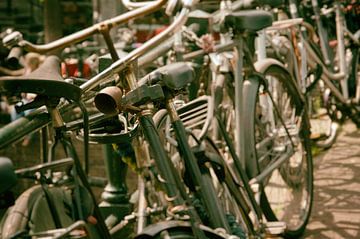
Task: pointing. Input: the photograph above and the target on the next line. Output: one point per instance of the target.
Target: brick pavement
(336, 211)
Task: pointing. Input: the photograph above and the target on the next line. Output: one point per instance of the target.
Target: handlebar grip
(12, 39)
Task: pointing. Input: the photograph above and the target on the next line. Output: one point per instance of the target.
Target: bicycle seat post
(58, 124)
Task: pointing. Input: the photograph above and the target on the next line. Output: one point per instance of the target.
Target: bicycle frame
(177, 195)
(237, 151)
(253, 179)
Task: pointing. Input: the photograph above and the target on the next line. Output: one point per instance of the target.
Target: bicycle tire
(31, 213)
(296, 172)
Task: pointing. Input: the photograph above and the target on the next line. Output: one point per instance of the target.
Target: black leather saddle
(175, 76)
(248, 20)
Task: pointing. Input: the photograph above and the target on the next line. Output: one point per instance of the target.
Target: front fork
(201, 180)
(174, 187)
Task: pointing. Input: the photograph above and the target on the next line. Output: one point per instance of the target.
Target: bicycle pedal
(274, 228)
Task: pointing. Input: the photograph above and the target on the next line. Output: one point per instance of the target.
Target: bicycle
(266, 142)
(261, 141)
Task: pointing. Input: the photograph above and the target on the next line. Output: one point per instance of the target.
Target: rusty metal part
(85, 33)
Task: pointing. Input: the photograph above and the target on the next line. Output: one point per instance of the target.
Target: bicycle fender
(154, 230)
(262, 65)
(250, 92)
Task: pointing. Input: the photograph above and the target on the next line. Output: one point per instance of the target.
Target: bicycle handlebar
(16, 38)
(171, 4)
(120, 64)
(132, 5)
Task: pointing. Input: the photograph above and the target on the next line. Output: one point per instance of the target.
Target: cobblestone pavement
(336, 208)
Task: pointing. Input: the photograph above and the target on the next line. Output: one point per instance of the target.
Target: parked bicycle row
(215, 115)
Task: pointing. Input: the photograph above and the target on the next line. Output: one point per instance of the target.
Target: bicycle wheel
(31, 212)
(277, 132)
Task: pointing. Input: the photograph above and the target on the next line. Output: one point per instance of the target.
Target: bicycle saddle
(251, 20)
(7, 174)
(271, 3)
(175, 76)
(46, 81)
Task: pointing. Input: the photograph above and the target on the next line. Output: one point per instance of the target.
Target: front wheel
(277, 130)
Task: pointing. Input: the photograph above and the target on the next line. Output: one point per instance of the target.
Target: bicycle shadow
(336, 208)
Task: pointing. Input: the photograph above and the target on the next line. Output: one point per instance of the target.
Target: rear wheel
(32, 214)
(277, 131)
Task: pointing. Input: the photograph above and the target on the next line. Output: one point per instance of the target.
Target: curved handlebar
(120, 64)
(85, 33)
(132, 5)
